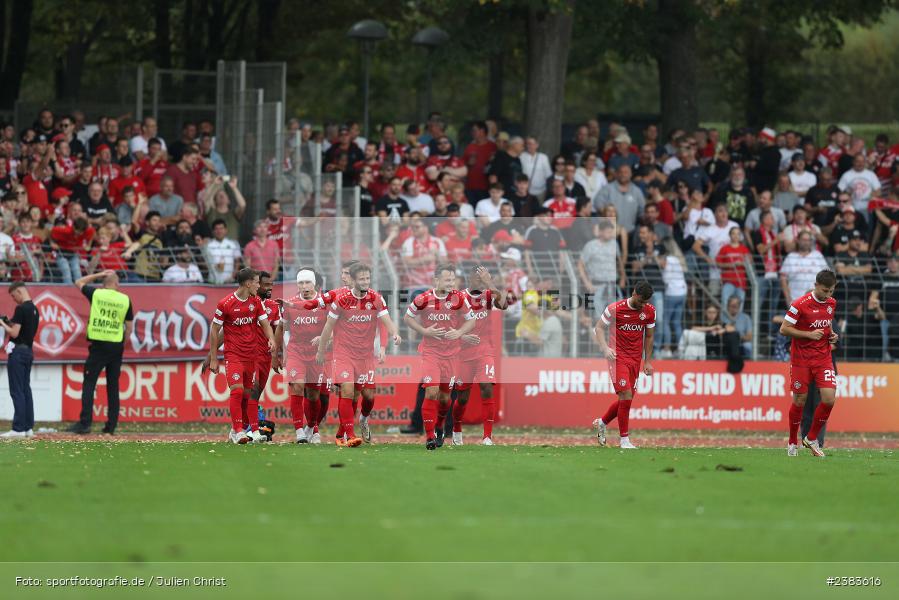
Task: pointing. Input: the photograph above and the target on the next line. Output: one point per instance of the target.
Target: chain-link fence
(182, 96)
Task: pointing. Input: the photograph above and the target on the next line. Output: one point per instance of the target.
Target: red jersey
(483, 307)
(37, 193)
(111, 256)
(442, 162)
(416, 173)
(33, 243)
(116, 186)
(564, 211)
(884, 164)
(152, 174)
(273, 316)
(476, 157)
(450, 312)
(807, 313)
(305, 324)
(830, 157)
(239, 320)
(357, 322)
(68, 241)
(730, 261)
(459, 249)
(627, 327)
(276, 231)
(106, 173)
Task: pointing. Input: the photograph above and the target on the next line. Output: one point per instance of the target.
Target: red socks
(346, 412)
(429, 416)
(236, 406)
(624, 416)
(822, 413)
(296, 410)
(458, 415)
(367, 406)
(244, 416)
(795, 420)
(611, 413)
(488, 413)
(253, 413)
(311, 409)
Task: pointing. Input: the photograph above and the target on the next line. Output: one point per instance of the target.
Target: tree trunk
(267, 11)
(677, 62)
(192, 34)
(756, 108)
(495, 74)
(216, 31)
(16, 53)
(69, 80)
(163, 40)
(549, 41)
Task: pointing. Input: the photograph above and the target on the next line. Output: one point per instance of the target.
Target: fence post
(338, 234)
(756, 304)
(278, 170)
(258, 150)
(574, 293)
(139, 108)
(156, 95)
(357, 221)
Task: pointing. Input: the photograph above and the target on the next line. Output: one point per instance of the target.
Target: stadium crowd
(687, 212)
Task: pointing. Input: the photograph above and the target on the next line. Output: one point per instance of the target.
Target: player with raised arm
(305, 315)
(353, 318)
(631, 323)
(441, 316)
(479, 349)
(237, 316)
(809, 322)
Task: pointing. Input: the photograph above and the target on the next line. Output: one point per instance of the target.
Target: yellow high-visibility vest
(107, 317)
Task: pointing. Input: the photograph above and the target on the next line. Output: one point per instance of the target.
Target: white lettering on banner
(137, 381)
(708, 384)
(859, 386)
(562, 382)
(763, 384)
(715, 415)
(166, 329)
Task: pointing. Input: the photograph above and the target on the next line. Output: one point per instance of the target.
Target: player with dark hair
(632, 323)
(441, 316)
(353, 318)
(237, 316)
(265, 359)
(478, 353)
(809, 322)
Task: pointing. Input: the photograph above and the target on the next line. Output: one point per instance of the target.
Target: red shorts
(360, 371)
(624, 375)
(824, 376)
(240, 373)
(480, 370)
(308, 371)
(434, 370)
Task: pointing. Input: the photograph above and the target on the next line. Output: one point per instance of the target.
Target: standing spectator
(152, 168)
(107, 134)
(735, 194)
(789, 150)
(886, 299)
(600, 267)
(861, 182)
(442, 160)
(801, 223)
(188, 135)
(104, 170)
(148, 248)
(542, 240)
(847, 226)
(573, 148)
(184, 270)
(210, 157)
(651, 219)
(821, 198)
(767, 244)
(767, 166)
(390, 150)
(581, 230)
(785, 197)
(559, 167)
(488, 209)
(223, 254)
(690, 172)
(459, 244)
(523, 202)
(262, 254)
(506, 164)
(535, 165)
(709, 241)
(76, 148)
(572, 188)
(139, 144)
(185, 175)
(854, 265)
(126, 179)
(801, 179)
(647, 258)
(800, 267)
(625, 196)
(199, 228)
(477, 156)
(648, 170)
(420, 252)
(415, 199)
(590, 176)
(21, 329)
(179, 236)
(391, 206)
(731, 261)
(72, 242)
(622, 154)
(675, 298)
(221, 209)
(882, 160)
(754, 218)
(167, 203)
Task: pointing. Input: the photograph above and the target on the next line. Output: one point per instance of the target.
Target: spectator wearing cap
(343, 146)
(523, 202)
(477, 156)
(767, 167)
(623, 153)
(184, 270)
(126, 179)
(861, 182)
(167, 203)
(139, 144)
(625, 196)
(801, 179)
(535, 165)
(104, 170)
(185, 176)
(487, 210)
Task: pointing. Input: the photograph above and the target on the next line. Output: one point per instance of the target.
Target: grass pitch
(143, 502)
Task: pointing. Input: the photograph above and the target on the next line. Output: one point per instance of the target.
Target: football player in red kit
(305, 315)
(237, 316)
(353, 318)
(631, 323)
(809, 322)
(265, 360)
(477, 362)
(441, 316)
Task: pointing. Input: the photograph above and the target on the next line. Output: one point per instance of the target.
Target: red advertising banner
(178, 392)
(171, 322)
(694, 395)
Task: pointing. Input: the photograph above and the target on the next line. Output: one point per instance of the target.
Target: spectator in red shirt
(414, 169)
(730, 260)
(65, 167)
(563, 206)
(379, 186)
(458, 243)
(152, 168)
(442, 160)
(274, 219)
(262, 253)
(26, 237)
(476, 157)
(389, 150)
(185, 175)
(126, 179)
(369, 160)
(107, 254)
(72, 243)
(104, 169)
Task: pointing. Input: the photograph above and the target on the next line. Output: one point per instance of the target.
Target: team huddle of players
(334, 340)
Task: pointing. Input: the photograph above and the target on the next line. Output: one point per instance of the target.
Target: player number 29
(830, 375)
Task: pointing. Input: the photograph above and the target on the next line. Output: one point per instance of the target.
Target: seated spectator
(572, 188)
(709, 241)
(543, 240)
(508, 223)
(153, 167)
(459, 244)
(127, 179)
(625, 196)
(801, 223)
(662, 231)
(65, 166)
(623, 153)
(262, 254)
(662, 203)
(199, 228)
(188, 135)
(25, 239)
(97, 206)
(71, 243)
(186, 177)
(224, 254)
(847, 227)
(648, 170)
(221, 209)
(487, 210)
(765, 204)
(149, 130)
(738, 321)
(9, 212)
(184, 270)
(414, 168)
(821, 199)
(343, 146)
(731, 261)
(692, 173)
(149, 257)
(800, 267)
(705, 340)
(785, 197)
(110, 255)
(104, 169)
(416, 200)
(446, 226)
(563, 206)
(459, 198)
(179, 236)
(582, 227)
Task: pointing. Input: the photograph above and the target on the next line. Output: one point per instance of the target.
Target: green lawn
(178, 502)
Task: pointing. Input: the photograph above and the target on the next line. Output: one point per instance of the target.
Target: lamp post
(431, 38)
(368, 33)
